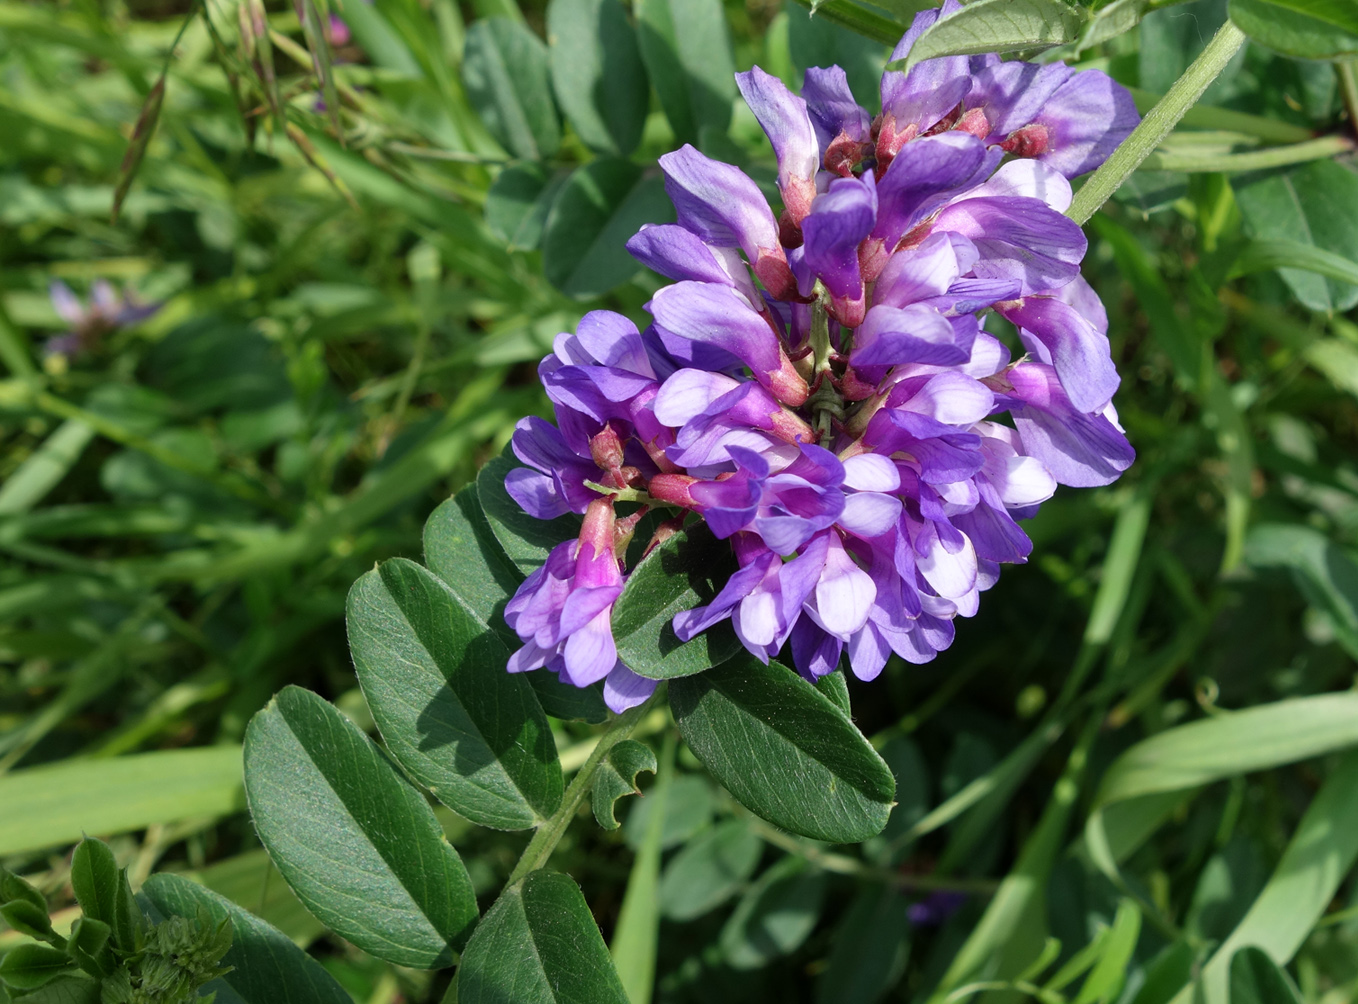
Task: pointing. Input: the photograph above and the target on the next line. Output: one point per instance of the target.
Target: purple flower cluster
(820, 388)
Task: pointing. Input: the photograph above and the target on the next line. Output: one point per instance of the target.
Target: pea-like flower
(819, 385)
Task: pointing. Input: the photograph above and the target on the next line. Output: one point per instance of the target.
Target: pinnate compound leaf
(600, 206)
(1306, 29)
(709, 870)
(784, 750)
(1309, 205)
(354, 839)
(460, 546)
(266, 966)
(597, 71)
(103, 893)
(435, 679)
(525, 540)
(504, 67)
(617, 777)
(996, 26)
(685, 571)
(1256, 979)
(775, 915)
(538, 945)
(687, 51)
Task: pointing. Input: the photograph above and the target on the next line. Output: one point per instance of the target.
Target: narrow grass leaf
(142, 131)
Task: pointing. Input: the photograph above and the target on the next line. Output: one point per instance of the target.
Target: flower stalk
(1158, 123)
(548, 835)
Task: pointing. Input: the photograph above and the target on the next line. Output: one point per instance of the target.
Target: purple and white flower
(819, 384)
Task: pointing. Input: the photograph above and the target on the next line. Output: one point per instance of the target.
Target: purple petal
(1011, 94)
(583, 605)
(1080, 294)
(1086, 120)
(679, 254)
(715, 316)
(844, 593)
(718, 202)
(1078, 351)
(1020, 239)
(536, 493)
(613, 340)
(688, 393)
(786, 123)
(590, 652)
(868, 652)
(1027, 179)
(926, 271)
(949, 397)
(832, 107)
(624, 689)
(688, 624)
(65, 303)
(924, 175)
(814, 652)
(870, 514)
(932, 88)
(839, 221)
(1083, 451)
(895, 336)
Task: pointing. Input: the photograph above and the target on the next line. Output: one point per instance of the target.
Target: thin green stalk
(1347, 70)
(1254, 160)
(1157, 124)
(842, 864)
(549, 834)
(1212, 117)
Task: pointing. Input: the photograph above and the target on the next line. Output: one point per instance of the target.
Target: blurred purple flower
(935, 908)
(107, 311)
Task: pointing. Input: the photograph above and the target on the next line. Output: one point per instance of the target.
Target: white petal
(869, 472)
(687, 393)
(844, 594)
(952, 575)
(869, 514)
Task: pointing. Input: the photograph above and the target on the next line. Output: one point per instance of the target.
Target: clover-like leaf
(617, 778)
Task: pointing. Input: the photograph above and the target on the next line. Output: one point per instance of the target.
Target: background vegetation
(349, 324)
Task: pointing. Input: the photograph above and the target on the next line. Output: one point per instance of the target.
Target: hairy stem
(549, 834)
(1157, 124)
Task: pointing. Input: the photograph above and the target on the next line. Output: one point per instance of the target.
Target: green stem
(1225, 120)
(1348, 87)
(549, 834)
(1254, 160)
(842, 864)
(1157, 124)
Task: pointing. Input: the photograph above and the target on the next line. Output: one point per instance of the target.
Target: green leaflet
(686, 571)
(1306, 29)
(538, 945)
(597, 72)
(460, 546)
(435, 680)
(687, 51)
(872, 945)
(775, 915)
(598, 209)
(355, 840)
(996, 26)
(786, 751)
(505, 70)
(266, 966)
(709, 870)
